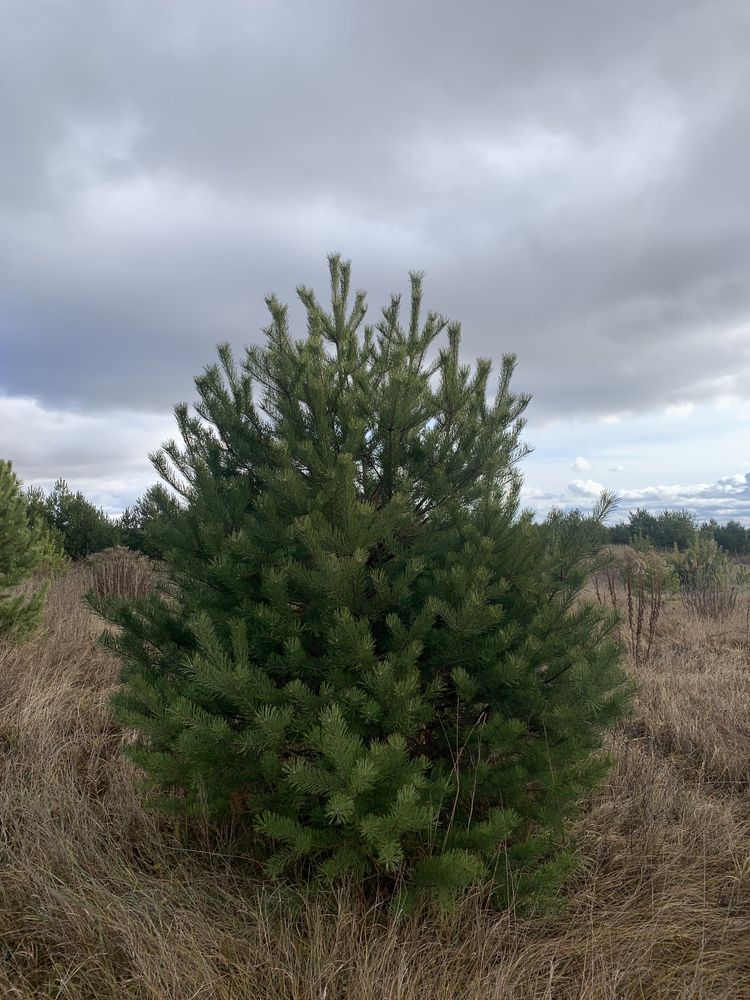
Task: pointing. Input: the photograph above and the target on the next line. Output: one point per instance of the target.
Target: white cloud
(580, 465)
(726, 498)
(617, 468)
(679, 410)
(104, 455)
(729, 486)
(585, 488)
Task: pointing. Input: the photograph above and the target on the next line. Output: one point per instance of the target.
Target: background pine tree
(23, 548)
(72, 521)
(135, 528)
(364, 654)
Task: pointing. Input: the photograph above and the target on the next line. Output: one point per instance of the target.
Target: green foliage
(53, 560)
(138, 527)
(703, 561)
(732, 537)
(674, 528)
(642, 524)
(709, 580)
(364, 655)
(708, 528)
(619, 534)
(678, 527)
(570, 537)
(79, 526)
(663, 530)
(22, 550)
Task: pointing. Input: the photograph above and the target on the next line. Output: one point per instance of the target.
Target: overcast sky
(573, 177)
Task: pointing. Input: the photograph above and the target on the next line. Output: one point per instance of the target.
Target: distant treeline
(679, 528)
(81, 528)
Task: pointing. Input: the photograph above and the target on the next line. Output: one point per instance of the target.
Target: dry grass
(100, 899)
(118, 572)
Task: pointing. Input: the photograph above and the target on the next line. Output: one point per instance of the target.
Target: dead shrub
(632, 583)
(120, 572)
(709, 598)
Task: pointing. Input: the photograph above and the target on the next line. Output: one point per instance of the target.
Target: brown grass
(101, 899)
(118, 572)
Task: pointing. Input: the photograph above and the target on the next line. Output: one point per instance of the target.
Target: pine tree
(71, 520)
(22, 549)
(365, 654)
(136, 524)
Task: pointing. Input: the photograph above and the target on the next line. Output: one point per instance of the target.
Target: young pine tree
(365, 655)
(22, 549)
(71, 520)
(135, 526)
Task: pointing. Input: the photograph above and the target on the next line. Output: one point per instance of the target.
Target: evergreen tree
(365, 655)
(674, 528)
(620, 534)
(708, 528)
(81, 527)
(732, 537)
(663, 530)
(642, 525)
(571, 535)
(22, 549)
(137, 527)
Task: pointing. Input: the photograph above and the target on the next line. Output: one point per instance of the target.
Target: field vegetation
(100, 898)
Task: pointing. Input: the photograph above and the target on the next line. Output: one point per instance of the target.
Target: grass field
(101, 899)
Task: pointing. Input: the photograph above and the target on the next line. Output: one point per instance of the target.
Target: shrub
(633, 582)
(710, 598)
(119, 572)
(708, 580)
(703, 561)
(367, 660)
(22, 549)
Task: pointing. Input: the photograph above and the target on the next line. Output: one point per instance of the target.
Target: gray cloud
(103, 455)
(574, 178)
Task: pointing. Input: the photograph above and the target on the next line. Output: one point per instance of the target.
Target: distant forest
(82, 528)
